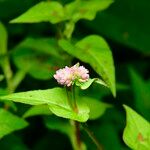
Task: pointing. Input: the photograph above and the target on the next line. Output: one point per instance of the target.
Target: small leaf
(137, 131)
(95, 51)
(56, 99)
(37, 110)
(10, 123)
(81, 116)
(42, 12)
(97, 108)
(85, 9)
(88, 83)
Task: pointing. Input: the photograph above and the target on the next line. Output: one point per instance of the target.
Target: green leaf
(3, 39)
(81, 116)
(85, 9)
(10, 123)
(125, 28)
(56, 99)
(37, 110)
(137, 131)
(97, 108)
(42, 12)
(38, 57)
(141, 94)
(95, 51)
(85, 85)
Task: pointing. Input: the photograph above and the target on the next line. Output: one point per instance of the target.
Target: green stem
(68, 99)
(74, 99)
(93, 138)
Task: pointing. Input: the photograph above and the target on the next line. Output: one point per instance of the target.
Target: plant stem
(68, 99)
(93, 138)
(77, 133)
(74, 99)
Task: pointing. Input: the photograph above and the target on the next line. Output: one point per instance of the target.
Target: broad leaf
(42, 12)
(95, 51)
(37, 110)
(56, 99)
(85, 9)
(10, 123)
(137, 131)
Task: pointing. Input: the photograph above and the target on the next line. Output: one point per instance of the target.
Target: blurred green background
(126, 27)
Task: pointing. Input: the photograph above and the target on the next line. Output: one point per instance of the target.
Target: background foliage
(34, 55)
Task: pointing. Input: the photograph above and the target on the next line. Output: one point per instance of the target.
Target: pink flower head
(68, 75)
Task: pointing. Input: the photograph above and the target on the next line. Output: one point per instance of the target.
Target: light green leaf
(42, 12)
(10, 123)
(38, 57)
(37, 110)
(3, 39)
(85, 85)
(97, 108)
(56, 99)
(81, 116)
(85, 9)
(137, 131)
(95, 51)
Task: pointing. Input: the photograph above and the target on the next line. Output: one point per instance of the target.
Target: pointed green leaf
(85, 9)
(37, 110)
(10, 123)
(95, 51)
(42, 12)
(56, 99)
(85, 85)
(137, 131)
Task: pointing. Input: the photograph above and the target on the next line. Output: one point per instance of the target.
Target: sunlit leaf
(95, 51)
(56, 98)
(137, 131)
(42, 12)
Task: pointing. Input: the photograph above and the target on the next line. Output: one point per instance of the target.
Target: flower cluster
(69, 75)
